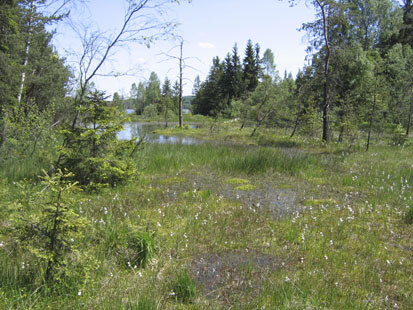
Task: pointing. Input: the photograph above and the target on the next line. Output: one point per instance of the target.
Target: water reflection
(140, 130)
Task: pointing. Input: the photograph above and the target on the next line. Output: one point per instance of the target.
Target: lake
(145, 130)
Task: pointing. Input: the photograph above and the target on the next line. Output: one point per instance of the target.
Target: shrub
(92, 151)
(309, 122)
(399, 135)
(150, 111)
(46, 225)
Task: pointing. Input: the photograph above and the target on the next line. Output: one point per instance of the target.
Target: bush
(45, 224)
(309, 122)
(150, 111)
(92, 151)
(399, 135)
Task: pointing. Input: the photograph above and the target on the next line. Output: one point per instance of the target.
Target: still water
(145, 131)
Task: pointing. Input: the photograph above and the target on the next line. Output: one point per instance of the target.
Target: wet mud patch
(259, 194)
(232, 275)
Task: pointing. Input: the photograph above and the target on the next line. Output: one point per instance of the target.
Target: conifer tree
(237, 74)
(209, 99)
(166, 100)
(250, 72)
(197, 85)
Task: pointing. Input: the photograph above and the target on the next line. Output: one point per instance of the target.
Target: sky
(209, 28)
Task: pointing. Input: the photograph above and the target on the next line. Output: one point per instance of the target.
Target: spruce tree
(166, 100)
(209, 99)
(237, 75)
(250, 71)
(92, 151)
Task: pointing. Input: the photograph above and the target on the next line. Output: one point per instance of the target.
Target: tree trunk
(373, 111)
(341, 134)
(26, 52)
(297, 121)
(410, 118)
(53, 238)
(255, 129)
(2, 126)
(180, 86)
(326, 103)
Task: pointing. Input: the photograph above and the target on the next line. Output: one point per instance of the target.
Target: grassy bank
(198, 227)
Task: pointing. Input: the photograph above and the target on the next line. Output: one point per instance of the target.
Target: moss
(317, 181)
(246, 187)
(283, 186)
(173, 180)
(237, 181)
(319, 202)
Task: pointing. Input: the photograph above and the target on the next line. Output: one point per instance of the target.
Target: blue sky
(209, 27)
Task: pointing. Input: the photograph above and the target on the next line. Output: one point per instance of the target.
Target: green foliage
(309, 122)
(150, 111)
(250, 67)
(29, 143)
(92, 151)
(236, 108)
(399, 135)
(183, 287)
(46, 224)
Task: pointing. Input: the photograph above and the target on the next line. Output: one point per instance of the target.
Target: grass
(183, 287)
(229, 160)
(191, 245)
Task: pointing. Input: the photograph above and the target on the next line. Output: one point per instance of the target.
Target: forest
(276, 192)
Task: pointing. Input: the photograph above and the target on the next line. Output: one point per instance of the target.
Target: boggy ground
(232, 275)
(244, 228)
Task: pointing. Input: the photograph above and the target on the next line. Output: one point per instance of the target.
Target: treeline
(152, 98)
(358, 81)
(32, 75)
(230, 79)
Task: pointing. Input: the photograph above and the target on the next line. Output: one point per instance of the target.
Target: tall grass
(226, 159)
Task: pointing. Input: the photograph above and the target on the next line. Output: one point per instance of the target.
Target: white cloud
(206, 45)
